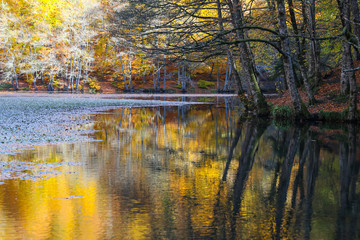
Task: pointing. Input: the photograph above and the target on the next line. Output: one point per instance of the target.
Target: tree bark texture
(288, 67)
(248, 67)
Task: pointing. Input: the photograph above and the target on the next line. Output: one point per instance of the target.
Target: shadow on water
(292, 191)
(349, 209)
(192, 172)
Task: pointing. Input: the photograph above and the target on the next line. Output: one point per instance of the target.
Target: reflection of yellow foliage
(152, 172)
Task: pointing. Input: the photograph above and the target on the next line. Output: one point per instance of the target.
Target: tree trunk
(314, 66)
(123, 71)
(164, 72)
(217, 75)
(356, 24)
(348, 81)
(50, 85)
(253, 90)
(236, 74)
(130, 71)
(288, 67)
(300, 54)
(184, 78)
(15, 76)
(157, 88)
(228, 72)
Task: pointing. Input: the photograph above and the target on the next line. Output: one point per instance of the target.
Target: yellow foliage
(94, 84)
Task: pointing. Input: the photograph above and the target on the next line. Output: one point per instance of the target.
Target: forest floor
(328, 96)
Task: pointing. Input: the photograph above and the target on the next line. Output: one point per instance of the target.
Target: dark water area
(190, 172)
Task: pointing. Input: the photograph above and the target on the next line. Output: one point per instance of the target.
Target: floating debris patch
(31, 121)
(70, 197)
(32, 171)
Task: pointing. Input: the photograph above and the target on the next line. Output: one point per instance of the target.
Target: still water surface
(190, 172)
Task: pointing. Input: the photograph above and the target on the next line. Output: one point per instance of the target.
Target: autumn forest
(224, 46)
(179, 119)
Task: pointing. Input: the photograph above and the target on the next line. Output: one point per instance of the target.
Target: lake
(186, 172)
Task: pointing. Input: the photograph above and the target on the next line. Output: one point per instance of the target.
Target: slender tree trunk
(130, 71)
(77, 82)
(15, 76)
(217, 75)
(122, 69)
(348, 80)
(356, 24)
(236, 73)
(288, 67)
(158, 74)
(154, 78)
(353, 94)
(50, 85)
(179, 74)
(228, 72)
(164, 72)
(184, 78)
(315, 51)
(300, 55)
(211, 71)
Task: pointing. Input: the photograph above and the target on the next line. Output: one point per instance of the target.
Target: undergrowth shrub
(5, 86)
(283, 113)
(205, 84)
(332, 116)
(94, 85)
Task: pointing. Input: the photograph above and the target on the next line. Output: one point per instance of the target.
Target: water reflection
(190, 172)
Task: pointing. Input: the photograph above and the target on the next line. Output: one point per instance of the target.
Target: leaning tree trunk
(288, 67)
(236, 73)
(253, 89)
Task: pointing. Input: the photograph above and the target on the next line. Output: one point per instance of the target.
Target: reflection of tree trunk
(246, 160)
(227, 124)
(349, 201)
(216, 125)
(231, 152)
(298, 182)
(312, 173)
(280, 148)
(284, 181)
(355, 164)
(221, 208)
(120, 123)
